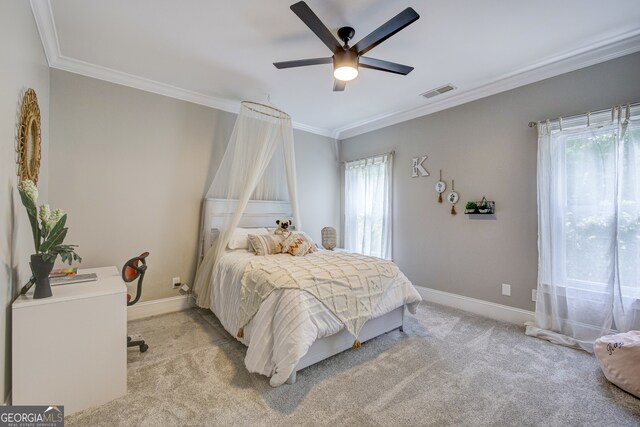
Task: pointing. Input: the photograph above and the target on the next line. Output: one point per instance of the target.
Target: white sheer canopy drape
(368, 187)
(589, 229)
(258, 164)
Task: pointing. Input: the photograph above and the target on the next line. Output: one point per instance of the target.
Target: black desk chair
(132, 270)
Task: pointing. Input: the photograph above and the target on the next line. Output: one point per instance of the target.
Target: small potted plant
(471, 207)
(49, 231)
(484, 207)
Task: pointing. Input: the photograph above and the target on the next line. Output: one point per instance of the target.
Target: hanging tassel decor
(240, 333)
(440, 187)
(453, 197)
(356, 344)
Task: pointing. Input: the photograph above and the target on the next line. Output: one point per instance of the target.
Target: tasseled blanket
(350, 285)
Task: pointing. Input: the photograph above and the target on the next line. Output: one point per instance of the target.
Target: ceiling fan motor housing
(346, 58)
(345, 34)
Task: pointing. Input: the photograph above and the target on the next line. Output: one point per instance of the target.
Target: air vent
(438, 91)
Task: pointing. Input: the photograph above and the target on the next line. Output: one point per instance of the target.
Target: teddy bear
(283, 227)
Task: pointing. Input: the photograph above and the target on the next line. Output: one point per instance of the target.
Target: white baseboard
(159, 306)
(504, 313)
(488, 309)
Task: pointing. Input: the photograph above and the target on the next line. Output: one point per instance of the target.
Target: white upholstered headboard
(258, 213)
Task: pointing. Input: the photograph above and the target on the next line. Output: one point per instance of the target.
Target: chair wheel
(143, 348)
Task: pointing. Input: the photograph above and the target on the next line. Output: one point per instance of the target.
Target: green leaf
(49, 256)
(59, 225)
(66, 252)
(32, 212)
(54, 240)
(54, 234)
(28, 203)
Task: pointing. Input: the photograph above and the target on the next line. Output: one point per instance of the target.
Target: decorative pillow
(299, 247)
(266, 244)
(312, 244)
(297, 244)
(240, 240)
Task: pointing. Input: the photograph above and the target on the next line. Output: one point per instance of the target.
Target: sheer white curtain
(368, 205)
(589, 228)
(258, 164)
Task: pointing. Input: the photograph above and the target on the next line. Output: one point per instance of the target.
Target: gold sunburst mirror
(29, 138)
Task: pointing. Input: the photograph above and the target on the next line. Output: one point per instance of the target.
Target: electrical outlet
(506, 289)
(175, 282)
(534, 295)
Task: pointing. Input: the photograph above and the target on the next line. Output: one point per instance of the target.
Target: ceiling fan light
(345, 73)
(345, 65)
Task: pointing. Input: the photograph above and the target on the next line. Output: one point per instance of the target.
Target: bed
(292, 329)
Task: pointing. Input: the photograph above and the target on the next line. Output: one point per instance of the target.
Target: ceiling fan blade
(303, 62)
(305, 13)
(380, 65)
(386, 30)
(339, 85)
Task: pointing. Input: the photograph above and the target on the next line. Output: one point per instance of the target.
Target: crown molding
(118, 77)
(314, 129)
(45, 23)
(43, 16)
(602, 51)
(99, 72)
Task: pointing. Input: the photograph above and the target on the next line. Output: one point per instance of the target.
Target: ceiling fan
(345, 59)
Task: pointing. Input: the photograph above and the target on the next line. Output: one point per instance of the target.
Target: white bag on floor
(619, 358)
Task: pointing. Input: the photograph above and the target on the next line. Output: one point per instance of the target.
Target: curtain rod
(369, 157)
(612, 109)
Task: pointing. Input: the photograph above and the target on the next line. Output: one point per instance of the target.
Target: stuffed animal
(283, 226)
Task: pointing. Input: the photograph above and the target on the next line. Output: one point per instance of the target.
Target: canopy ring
(271, 111)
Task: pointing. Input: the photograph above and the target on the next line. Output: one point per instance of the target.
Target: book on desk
(75, 278)
(61, 272)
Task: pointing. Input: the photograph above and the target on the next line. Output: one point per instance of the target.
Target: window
(368, 205)
(588, 227)
(599, 203)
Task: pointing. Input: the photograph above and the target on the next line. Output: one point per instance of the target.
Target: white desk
(71, 349)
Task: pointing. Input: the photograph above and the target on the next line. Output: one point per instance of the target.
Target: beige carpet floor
(448, 368)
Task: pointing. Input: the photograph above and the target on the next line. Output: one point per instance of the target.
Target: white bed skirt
(337, 343)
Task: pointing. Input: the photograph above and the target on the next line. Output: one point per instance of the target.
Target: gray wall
(131, 169)
(23, 66)
(487, 148)
(318, 176)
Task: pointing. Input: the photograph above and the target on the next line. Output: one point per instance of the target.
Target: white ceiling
(218, 53)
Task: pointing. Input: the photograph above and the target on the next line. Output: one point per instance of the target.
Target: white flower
(54, 218)
(30, 189)
(45, 214)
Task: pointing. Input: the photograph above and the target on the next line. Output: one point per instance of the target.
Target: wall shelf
(489, 208)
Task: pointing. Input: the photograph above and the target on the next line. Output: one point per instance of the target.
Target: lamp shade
(329, 237)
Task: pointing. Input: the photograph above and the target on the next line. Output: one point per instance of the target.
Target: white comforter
(288, 321)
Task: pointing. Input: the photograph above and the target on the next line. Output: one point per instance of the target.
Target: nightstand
(71, 349)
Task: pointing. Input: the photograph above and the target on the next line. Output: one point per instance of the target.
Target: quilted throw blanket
(350, 285)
